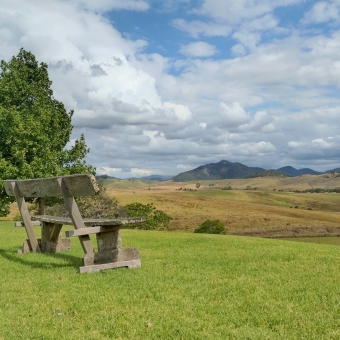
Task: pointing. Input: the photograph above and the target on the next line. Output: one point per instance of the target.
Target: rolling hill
(221, 170)
(290, 171)
(228, 170)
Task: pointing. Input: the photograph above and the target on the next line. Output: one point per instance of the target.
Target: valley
(265, 207)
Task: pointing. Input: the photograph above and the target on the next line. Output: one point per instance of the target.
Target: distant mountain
(267, 173)
(334, 170)
(159, 178)
(220, 170)
(290, 171)
(101, 177)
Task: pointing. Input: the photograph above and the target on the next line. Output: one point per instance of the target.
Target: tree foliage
(34, 126)
(155, 219)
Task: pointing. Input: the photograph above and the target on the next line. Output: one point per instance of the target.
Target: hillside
(214, 171)
(267, 173)
(228, 170)
(290, 171)
(159, 178)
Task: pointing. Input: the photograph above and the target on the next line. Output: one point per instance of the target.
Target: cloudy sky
(163, 86)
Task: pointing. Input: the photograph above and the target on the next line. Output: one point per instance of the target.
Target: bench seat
(87, 221)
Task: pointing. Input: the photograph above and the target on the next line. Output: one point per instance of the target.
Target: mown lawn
(190, 286)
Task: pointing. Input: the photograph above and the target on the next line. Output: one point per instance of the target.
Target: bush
(97, 206)
(211, 227)
(17, 217)
(155, 219)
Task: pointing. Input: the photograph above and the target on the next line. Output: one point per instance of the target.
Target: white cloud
(253, 150)
(322, 11)
(234, 11)
(269, 128)
(234, 115)
(236, 118)
(197, 28)
(275, 103)
(227, 16)
(294, 144)
(107, 5)
(247, 39)
(323, 143)
(179, 111)
(238, 50)
(198, 49)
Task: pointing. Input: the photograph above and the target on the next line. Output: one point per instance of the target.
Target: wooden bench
(110, 252)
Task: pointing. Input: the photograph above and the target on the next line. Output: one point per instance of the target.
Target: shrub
(155, 219)
(17, 217)
(97, 206)
(211, 227)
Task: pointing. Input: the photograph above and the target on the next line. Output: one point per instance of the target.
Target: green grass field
(190, 286)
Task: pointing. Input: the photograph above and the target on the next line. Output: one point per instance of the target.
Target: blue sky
(161, 87)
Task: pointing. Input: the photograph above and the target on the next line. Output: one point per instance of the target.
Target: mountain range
(225, 170)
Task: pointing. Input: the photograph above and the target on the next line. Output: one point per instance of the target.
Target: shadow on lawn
(26, 259)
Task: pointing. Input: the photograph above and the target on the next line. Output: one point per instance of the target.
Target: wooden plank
(50, 232)
(76, 218)
(93, 230)
(88, 221)
(76, 185)
(99, 267)
(55, 232)
(26, 218)
(21, 223)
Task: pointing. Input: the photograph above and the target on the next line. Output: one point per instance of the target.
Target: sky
(164, 86)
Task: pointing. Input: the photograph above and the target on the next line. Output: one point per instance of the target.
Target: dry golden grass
(258, 212)
(243, 211)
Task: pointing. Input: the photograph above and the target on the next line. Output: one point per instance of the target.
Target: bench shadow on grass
(26, 259)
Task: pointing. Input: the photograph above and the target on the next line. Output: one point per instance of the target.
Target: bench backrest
(76, 185)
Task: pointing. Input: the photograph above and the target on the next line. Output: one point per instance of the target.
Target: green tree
(34, 127)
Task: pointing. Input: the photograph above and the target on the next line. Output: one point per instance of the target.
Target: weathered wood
(99, 267)
(60, 245)
(110, 253)
(50, 231)
(55, 230)
(128, 254)
(89, 222)
(26, 218)
(93, 230)
(76, 185)
(21, 223)
(119, 255)
(26, 247)
(76, 218)
(107, 256)
(107, 241)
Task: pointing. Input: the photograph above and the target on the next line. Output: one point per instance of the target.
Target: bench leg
(110, 254)
(51, 239)
(27, 248)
